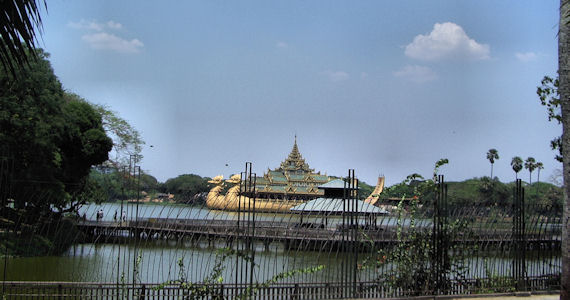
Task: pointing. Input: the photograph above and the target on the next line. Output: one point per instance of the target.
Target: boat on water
(278, 190)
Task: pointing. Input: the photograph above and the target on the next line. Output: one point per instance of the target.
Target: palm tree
(492, 154)
(19, 21)
(517, 165)
(539, 166)
(530, 165)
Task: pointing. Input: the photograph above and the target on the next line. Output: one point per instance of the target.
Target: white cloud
(281, 45)
(114, 25)
(336, 76)
(91, 25)
(417, 74)
(526, 57)
(447, 40)
(106, 41)
(102, 40)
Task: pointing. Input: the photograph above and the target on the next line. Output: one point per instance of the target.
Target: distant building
(278, 190)
(292, 180)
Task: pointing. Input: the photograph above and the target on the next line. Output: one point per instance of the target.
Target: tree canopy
(550, 97)
(52, 137)
(127, 140)
(186, 186)
(517, 165)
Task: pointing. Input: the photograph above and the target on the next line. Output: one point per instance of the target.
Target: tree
(564, 91)
(492, 154)
(550, 97)
(52, 137)
(186, 186)
(127, 140)
(539, 166)
(517, 165)
(530, 165)
(19, 20)
(114, 185)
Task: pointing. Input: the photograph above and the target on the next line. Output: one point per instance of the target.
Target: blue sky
(383, 87)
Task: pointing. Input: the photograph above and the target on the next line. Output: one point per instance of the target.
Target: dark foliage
(19, 22)
(186, 187)
(53, 138)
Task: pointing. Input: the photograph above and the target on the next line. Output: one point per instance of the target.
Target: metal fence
(425, 247)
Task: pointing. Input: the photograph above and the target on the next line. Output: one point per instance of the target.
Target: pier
(308, 236)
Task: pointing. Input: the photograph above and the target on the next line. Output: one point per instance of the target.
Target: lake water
(159, 259)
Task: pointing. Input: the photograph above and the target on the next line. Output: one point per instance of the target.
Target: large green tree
(52, 137)
(186, 186)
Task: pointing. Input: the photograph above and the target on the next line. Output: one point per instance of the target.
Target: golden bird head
(236, 178)
(217, 179)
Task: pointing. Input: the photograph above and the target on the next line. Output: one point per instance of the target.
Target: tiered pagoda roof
(292, 179)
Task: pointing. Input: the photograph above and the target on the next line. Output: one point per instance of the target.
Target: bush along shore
(28, 234)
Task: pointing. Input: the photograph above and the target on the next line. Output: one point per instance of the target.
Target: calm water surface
(159, 260)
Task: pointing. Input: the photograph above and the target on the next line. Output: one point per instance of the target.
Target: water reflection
(159, 263)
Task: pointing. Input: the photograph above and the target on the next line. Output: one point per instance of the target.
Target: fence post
(59, 291)
(295, 292)
(143, 292)
(440, 238)
(221, 292)
(518, 242)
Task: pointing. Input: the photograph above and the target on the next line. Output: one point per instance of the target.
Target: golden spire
(295, 155)
(295, 160)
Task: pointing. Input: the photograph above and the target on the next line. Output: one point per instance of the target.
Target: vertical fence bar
(519, 238)
(355, 248)
(135, 229)
(440, 238)
(344, 240)
(237, 241)
(349, 244)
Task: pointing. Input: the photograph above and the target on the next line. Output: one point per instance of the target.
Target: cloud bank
(446, 41)
(101, 39)
(526, 57)
(106, 41)
(91, 25)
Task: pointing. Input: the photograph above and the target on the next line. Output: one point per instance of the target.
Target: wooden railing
(289, 231)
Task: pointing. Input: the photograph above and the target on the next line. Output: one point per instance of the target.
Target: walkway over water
(291, 234)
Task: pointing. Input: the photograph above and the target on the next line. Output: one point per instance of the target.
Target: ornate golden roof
(293, 176)
(295, 161)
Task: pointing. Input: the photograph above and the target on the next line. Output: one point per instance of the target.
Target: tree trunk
(529, 178)
(564, 89)
(491, 171)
